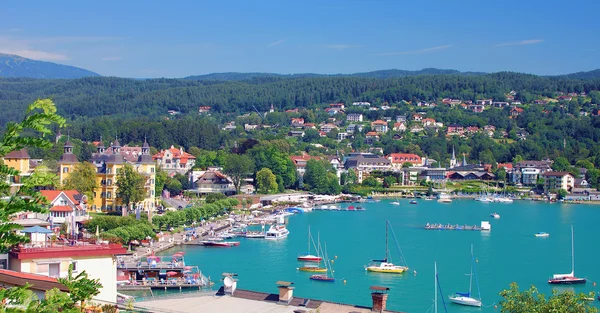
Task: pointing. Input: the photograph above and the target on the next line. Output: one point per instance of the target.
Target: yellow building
(109, 163)
(67, 162)
(18, 160)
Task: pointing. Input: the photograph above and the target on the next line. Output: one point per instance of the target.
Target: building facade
(175, 160)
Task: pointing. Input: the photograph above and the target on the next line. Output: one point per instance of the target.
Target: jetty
(485, 226)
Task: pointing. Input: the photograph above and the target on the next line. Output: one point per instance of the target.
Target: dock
(485, 226)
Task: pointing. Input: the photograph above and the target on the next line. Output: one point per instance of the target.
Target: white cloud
(36, 54)
(421, 51)
(276, 43)
(341, 46)
(112, 58)
(520, 43)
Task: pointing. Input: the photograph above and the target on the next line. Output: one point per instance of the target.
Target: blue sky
(181, 38)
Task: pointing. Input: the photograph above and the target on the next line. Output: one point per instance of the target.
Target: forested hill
(99, 96)
(16, 66)
(232, 76)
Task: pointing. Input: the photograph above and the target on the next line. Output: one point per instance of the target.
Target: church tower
(453, 160)
(67, 162)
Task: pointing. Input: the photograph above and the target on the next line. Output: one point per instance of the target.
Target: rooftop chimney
(379, 296)
(286, 291)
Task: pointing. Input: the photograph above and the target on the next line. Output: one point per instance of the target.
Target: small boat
(255, 235)
(385, 265)
(541, 234)
(568, 279)
(413, 201)
(211, 243)
(395, 203)
(276, 232)
(428, 198)
(465, 298)
(308, 256)
(328, 276)
(359, 208)
(495, 215)
(233, 243)
(444, 198)
(313, 269)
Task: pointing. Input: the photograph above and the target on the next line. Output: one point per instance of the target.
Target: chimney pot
(379, 301)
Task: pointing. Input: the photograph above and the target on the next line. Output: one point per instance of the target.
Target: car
(180, 207)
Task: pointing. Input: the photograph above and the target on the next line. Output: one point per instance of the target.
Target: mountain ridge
(17, 66)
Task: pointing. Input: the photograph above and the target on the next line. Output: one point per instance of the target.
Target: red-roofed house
(300, 162)
(515, 112)
(175, 160)
(39, 284)
(380, 126)
(399, 127)
(337, 106)
(428, 121)
(398, 159)
(53, 260)
(203, 109)
(417, 117)
(214, 182)
(66, 205)
(297, 122)
(554, 181)
(507, 166)
(371, 137)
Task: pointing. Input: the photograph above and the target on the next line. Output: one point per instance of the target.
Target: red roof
(379, 122)
(61, 208)
(405, 157)
(37, 282)
(60, 251)
(19, 154)
(372, 134)
(177, 154)
(507, 166)
(51, 195)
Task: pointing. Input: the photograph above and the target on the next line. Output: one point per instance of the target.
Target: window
(108, 195)
(54, 270)
(108, 170)
(74, 263)
(152, 170)
(109, 182)
(65, 169)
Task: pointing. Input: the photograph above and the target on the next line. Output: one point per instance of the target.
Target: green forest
(137, 109)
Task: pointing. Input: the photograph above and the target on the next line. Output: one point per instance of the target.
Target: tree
(83, 179)
(160, 180)
(81, 287)
(238, 167)
(266, 181)
(516, 301)
(406, 165)
(501, 174)
(130, 186)
(315, 177)
(561, 164)
(561, 193)
(214, 197)
(31, 131)
(173, 186)
(371, 182)
(389, 181)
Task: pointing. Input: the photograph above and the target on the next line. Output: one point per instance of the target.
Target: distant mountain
(234, 76)
(584, 75)
(16, 66)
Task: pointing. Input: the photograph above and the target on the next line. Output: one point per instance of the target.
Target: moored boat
(463, 298)
(541, 234)
(386, 265)
(568, 279)
(316, 269)
(277, 232)
(328, 276)
(495, 215)
(308, 256)
(212, 243)
(413, 201)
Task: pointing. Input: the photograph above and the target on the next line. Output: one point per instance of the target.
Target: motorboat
(316, 269)
(255, 235)
(413, 201)
(541, 234)
(568, 279)
(502, 199)
(211, 243)
(395, 203)
(495, 215)
(444, 198)
(277, 232)
(484, 199)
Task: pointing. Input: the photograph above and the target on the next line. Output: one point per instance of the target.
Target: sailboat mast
(435, 287)
(308, 239)
(471, 275)
(387, 250)
(572, 253)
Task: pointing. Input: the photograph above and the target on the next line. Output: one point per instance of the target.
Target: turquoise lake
(508, 253)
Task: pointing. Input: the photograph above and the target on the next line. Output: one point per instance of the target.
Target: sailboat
(568, 279)
(386, 265)
(397, 202)
(465, 298)
(328, 276)
(308, 257)
(436, 282)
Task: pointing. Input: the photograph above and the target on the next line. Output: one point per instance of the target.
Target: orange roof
(379, 122)
(405, 157)
(51, 195)
(61, 208)
(177, 154)
(372, 134)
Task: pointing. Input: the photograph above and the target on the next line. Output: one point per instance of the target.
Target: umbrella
(37, 229)
(171, 273)
(187, 268)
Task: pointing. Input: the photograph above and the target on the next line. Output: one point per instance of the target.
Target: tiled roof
(51, 195)
(61, 208)
(177, 154)
(37, 282)
(19, 154)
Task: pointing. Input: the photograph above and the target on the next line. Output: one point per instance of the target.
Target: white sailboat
(308, 256)
(568, 279)
(465, 298)
(435, 290)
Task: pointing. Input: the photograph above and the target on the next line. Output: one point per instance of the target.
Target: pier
(485, 226)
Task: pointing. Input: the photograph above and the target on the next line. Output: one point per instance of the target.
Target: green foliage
(266, 181)
(214, 197)
(82, 179)
(160, 180)
(389, 181)
(274, 155)
(40, 116)
(561, 193)
(238, 167)
(371, 182)
(130, 186)
(516, 301)
(193, 214)
(81, 287)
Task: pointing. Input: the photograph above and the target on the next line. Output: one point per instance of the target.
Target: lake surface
(508, 253)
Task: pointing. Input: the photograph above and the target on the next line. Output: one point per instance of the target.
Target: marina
(506, 254)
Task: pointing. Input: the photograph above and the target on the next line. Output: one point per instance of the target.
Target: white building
(354, 117)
